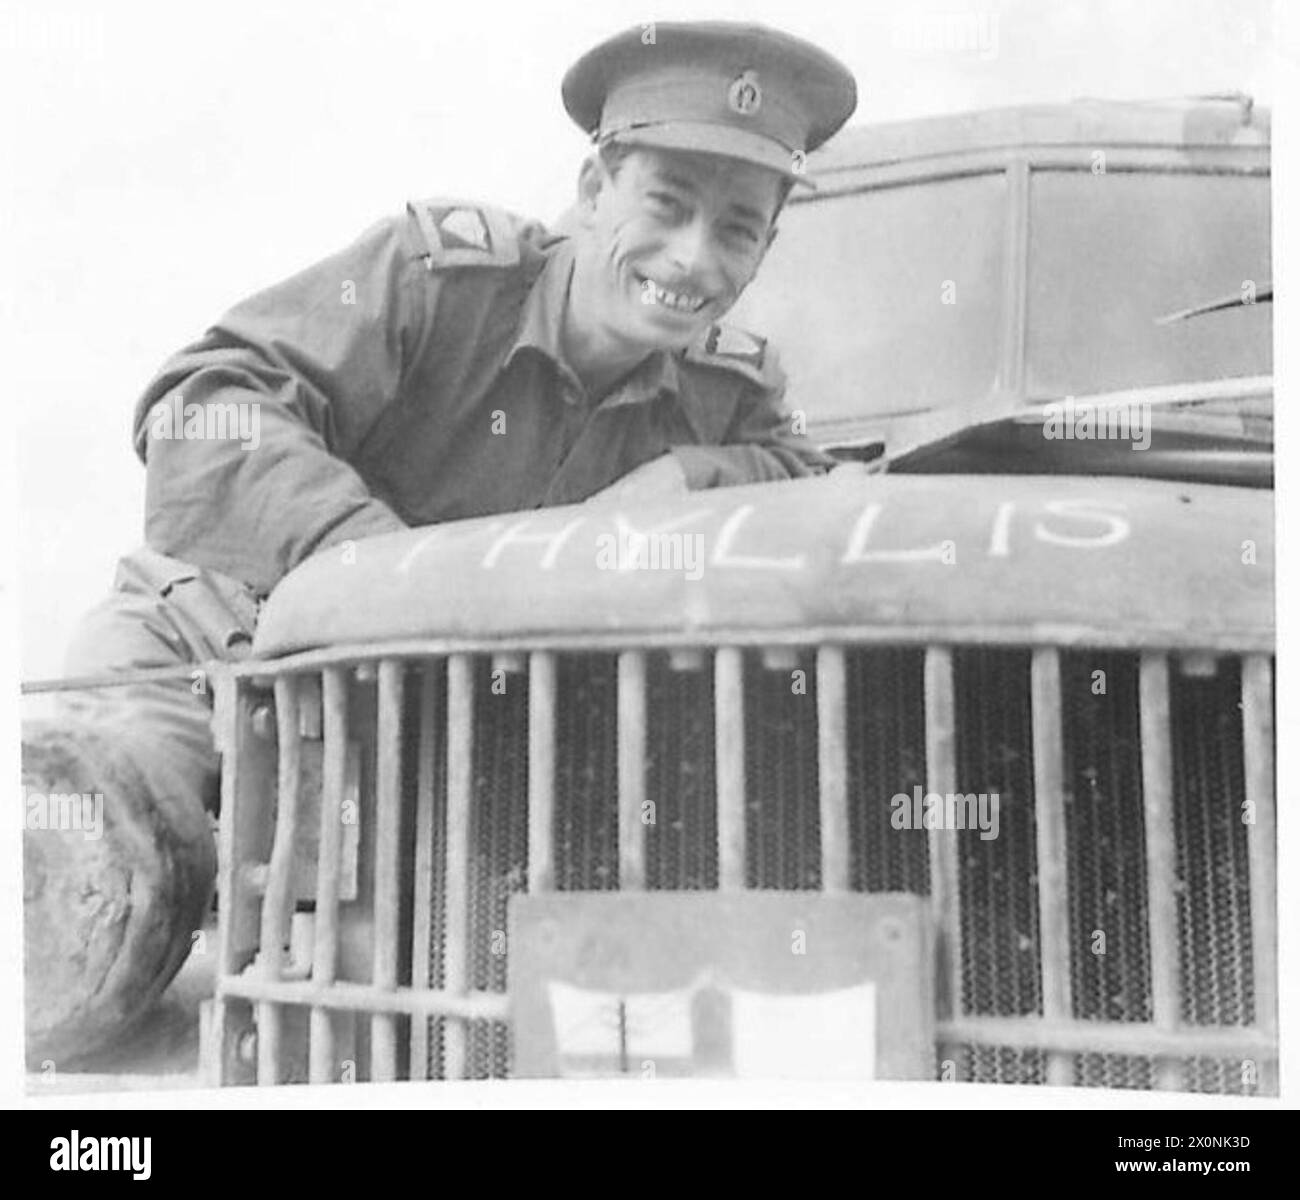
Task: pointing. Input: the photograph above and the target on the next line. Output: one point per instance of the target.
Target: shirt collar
(543, 308)
(539, 330)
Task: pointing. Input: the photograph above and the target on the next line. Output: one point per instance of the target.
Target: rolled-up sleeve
(245, 433)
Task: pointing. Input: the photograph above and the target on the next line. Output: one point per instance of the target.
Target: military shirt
(417, 377)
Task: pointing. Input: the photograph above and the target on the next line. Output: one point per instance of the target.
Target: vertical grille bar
(631, 769)
(279, 897)
(941, 777)
(421, 946)
(460, 791)
(541, 771)
(1052, 852)
(334, 728)
(242, 805)
(1162, 854)
(1261, 834)
(729, 721)
(833, 767)
(388, 803)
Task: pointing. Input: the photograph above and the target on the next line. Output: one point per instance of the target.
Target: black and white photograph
(728, 547)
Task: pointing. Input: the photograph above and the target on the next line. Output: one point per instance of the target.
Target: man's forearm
(731, 465)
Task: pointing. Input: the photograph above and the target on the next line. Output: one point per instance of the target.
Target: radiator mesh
(782, 814)
(885, 723)
(998, 882)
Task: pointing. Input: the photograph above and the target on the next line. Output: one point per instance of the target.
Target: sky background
(160, 162)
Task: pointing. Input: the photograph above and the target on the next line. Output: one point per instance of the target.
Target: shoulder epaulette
(734, 349)
(457, 233)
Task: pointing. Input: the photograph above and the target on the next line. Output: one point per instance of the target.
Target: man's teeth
(675, 299)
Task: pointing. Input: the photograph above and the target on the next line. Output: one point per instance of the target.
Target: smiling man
(455, 361)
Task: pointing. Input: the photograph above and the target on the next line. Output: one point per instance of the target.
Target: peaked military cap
(716, 87)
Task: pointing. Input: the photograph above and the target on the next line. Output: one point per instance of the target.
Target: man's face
(670, 241)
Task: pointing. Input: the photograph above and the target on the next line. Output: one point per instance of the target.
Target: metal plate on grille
(773, 984)
(306, 845)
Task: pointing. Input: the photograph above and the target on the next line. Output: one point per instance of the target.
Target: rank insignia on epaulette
(465, 235)
(722, 341)
(726, 346)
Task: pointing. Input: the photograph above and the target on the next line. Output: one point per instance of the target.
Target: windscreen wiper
(1233, 300)
(1198, 432)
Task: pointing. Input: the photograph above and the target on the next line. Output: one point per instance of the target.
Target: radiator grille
(1110, 970)
(886, 756)
(1215, 945)
(499, 862)
(1213, 870)
(999, 903)
(586, 777)
(781, 795)
(1019, 1004)
(682, 843)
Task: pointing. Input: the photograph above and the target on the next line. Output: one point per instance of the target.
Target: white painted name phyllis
(737, 539)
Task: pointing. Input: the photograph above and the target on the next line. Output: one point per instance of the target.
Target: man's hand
(659, 478)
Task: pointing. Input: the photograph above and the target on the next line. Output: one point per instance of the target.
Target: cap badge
(744, 95)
